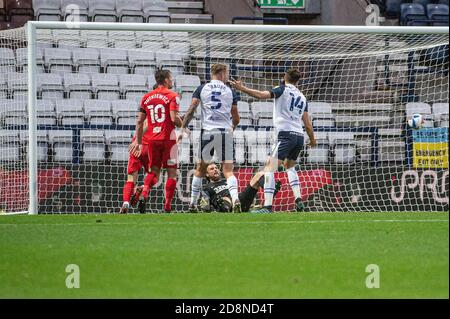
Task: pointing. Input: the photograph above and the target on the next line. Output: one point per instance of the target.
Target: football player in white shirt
(290, 109)
(219, 117)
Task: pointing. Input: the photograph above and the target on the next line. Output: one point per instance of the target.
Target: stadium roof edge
(236, 28)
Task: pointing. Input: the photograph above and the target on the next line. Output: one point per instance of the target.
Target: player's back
(157, 105)
(216, 102)
(290, 104)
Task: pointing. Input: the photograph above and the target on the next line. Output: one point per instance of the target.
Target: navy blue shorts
(219, 143)
(288, 146)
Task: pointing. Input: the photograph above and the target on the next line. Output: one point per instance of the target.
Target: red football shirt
(157, 104)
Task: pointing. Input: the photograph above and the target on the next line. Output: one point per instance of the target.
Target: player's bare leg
(127, 192)
(232, 184)
(289, 165)
(150, 180)
(196, 186)
(171, 186)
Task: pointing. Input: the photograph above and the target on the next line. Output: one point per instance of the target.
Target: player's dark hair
(161, 76)
(218, 67)
(293, 76)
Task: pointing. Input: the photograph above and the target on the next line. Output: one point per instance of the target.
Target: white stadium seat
(102, 10)
(75, 9)
(93, 145)
(118, 144)
(98, 112)
(47, 10)
(58, 60)
(9, 146)
(50, 86)
(114, 61)
(22, 59)
(187, 83)
(17, 84)
(133, 85)
(70, 111)
(106, 86)
(62, 145)
(129, 10)
(77, 86)
(156, 11)
(46, 114)
(142, 62)
(86, 60)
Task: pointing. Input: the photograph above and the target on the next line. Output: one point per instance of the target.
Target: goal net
(362, 88)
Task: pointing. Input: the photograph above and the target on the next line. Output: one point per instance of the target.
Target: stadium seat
(106, 86)
(258, 143)
(67, 39)
(151, 82)
(17, 84)
(7, 60)
(93, 145)
(123, 39)
(130, 11)
(152, 46)
(391, 150)
(62, 145)
(95, 39)
(185, 102)
(42, 144)
(22, 59)
(75, 10)
(187, 83)
(102, 10)
(86, 60)
(3, 16)
(424, 3)
(239, 144)
(181, 49)
(19, 12)
(3, 88)
(50, 86)
(148, 36)
(47, 10)
(45, 112)
(156, 11)
(438, 13)
(118, 142)
(393, 8)
(321, 114)
(264, 119)
(70, 111)
(344, 147)
(245, 113)
(98, 112)
(261, 107)
(114, 61)
(58, 60)
(413, 14)
(13, 112)
(142, 62)
(441, 114)
(319, 154)
(9, 146)
(125, 112)
(133, 85)
(77, 86)
(172, 62)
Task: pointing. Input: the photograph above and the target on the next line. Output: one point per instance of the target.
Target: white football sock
(196, 189)
(232, 184)
(294, 181)
(269, 188)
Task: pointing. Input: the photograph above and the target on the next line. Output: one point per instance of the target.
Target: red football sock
(150, 180)
(127, 191)
(171, 186)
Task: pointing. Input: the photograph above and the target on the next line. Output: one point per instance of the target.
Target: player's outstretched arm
(262, 95)
(309, 129)
(190, 113)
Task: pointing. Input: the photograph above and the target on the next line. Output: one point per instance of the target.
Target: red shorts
(163, 154)
(135, 163)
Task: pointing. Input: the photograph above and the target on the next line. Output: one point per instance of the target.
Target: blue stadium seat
(438, 13)
(413, 14)
(424, 3)
(393, 8)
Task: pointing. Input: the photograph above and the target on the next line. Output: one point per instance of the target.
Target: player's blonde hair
(218, 68)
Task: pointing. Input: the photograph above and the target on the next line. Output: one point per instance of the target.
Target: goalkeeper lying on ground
(216, 196)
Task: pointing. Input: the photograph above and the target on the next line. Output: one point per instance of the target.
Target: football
(416, 121)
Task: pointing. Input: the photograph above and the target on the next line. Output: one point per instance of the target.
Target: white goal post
(364, 80)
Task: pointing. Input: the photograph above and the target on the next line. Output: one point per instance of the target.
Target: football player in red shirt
(160, 108)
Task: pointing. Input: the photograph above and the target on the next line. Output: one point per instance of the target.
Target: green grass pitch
(310, 255)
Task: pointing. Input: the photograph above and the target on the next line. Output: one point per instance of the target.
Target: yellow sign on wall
(430, 155)
(430, 148)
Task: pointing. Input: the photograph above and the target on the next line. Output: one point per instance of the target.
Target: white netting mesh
(362, 89)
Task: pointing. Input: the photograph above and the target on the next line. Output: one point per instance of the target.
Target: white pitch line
(242, 222)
